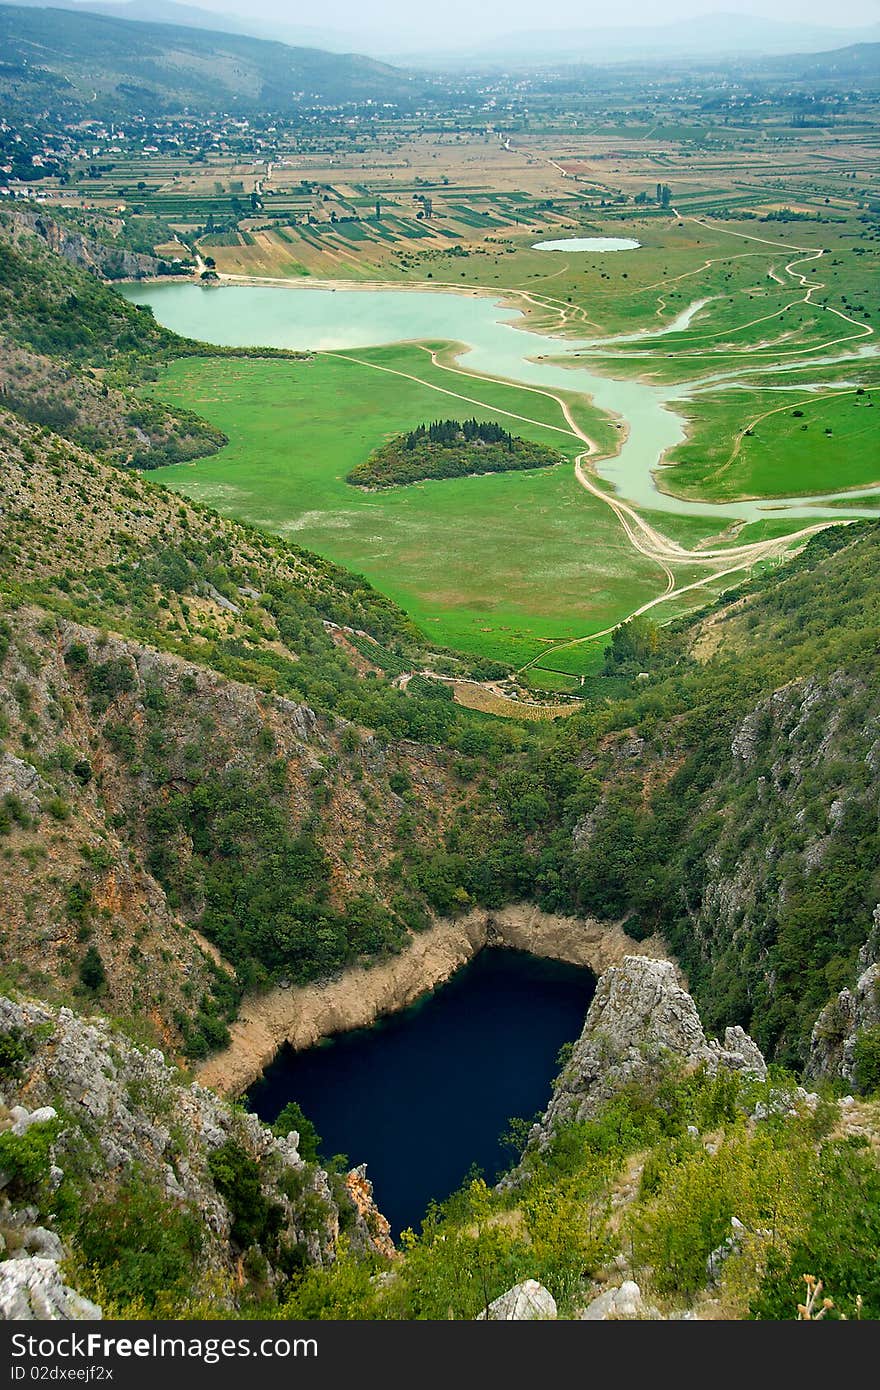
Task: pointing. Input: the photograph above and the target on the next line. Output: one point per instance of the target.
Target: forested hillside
(730, 802)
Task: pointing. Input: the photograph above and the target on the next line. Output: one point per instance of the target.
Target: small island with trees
(449, 449)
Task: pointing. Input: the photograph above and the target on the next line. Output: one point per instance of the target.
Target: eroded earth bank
(303, 1015)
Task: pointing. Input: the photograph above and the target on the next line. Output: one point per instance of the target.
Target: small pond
(423, 1096)
(589, 243)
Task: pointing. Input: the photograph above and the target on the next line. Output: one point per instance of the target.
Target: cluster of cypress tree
(449, 433)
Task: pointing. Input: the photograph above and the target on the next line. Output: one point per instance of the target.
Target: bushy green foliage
(140, 1246)
(106, 680)
(91, 970)
(26, 1160)
(449, 449)
(237, 1178)
(838, 1243)
(636, 646)
(14, 1049)
(461, 1261)
(755, 1179)
(12, 812)
(264, 889)
(866, 1060)
(344, 1291)
(292, 1117)
(56, 308)
(702, 1162)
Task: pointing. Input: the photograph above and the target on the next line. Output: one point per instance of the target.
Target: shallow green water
(313, 318)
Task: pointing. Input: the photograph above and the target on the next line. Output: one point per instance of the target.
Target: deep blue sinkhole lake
(424, 1095)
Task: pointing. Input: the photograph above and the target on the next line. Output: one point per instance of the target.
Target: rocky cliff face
(303, 1015)
(836, 1031)
(99, 884)
(110, 262)
(640, 1020)
(84, 1113)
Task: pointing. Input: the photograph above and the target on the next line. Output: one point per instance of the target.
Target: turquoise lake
(493, 343)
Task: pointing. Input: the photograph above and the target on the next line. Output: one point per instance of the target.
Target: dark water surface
(422, 1096)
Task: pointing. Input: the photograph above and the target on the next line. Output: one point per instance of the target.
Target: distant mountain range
(70, 57)
(859, 61)
(703, 37)
(709, 36)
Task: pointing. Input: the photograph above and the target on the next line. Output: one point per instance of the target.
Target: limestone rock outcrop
(304, 1014)
(34, 1289)
(833, 1040)
(360, 1190)
(110, 262)
(107, 1109)
(526, 1302)
(623, 1304)
(640, 1018)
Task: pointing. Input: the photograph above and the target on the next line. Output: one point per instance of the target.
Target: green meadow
(503, 565)
(738, 266)
(766, 444)
(514, 565)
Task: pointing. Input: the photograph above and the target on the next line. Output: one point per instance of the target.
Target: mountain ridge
(88, 60)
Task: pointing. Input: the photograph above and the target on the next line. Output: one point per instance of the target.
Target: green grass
(749, 311)
(788, 451)
(507, 566)
(554, 681)
(497, 565)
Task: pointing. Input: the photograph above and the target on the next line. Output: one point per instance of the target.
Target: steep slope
(168, 1201)
(71, 350)
(198, 720)
(164, 764)
(670, 1177)
(730, 802)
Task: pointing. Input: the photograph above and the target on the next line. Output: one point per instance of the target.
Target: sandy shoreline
(302, 1015)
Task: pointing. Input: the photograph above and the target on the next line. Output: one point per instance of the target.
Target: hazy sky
(456, 18)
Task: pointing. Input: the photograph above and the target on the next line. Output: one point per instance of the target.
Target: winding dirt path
(758, 419)
(644, 538)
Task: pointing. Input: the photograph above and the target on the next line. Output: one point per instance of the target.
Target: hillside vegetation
(76, 60)
(177, 716)
(211, 781)
(729, 801)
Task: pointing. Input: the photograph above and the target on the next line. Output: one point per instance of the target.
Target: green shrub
(866, 1060)
(292, 1117)
(838, 1246)
(78, 901)
(141, 1245)
(14, 1049)
(237, 1178)
(26, 1160)
(91, 970)
(77, 656)
(760, 1179)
